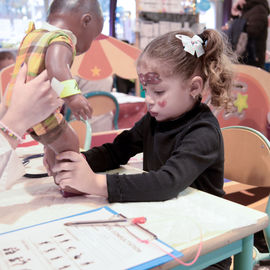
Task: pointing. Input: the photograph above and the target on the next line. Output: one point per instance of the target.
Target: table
(227, 228)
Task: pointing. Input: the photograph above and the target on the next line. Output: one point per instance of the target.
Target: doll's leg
(50, 161)
(61, 138)
(67, 141)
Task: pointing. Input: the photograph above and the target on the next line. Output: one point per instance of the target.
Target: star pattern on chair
(241, 102)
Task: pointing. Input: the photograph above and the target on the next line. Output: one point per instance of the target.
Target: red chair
(99, 138)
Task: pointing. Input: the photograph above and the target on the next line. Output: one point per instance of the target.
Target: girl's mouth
(153, 114)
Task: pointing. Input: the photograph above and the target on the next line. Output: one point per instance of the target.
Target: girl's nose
(148, 99)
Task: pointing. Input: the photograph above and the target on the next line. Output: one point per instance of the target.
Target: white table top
(177, 222)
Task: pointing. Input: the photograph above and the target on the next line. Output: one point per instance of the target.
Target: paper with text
(53, 245)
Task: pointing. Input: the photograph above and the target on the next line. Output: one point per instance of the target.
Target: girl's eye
(159, 93)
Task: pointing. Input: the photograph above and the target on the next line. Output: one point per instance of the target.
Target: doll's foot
(70, 192)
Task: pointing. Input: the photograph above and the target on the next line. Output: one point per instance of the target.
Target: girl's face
(166, 97)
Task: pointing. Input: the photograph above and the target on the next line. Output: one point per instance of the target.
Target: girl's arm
(196, 161)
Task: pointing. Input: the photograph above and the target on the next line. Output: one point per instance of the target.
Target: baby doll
(71, 27)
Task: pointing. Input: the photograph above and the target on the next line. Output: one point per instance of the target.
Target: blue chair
(247, 161)
(101, 102)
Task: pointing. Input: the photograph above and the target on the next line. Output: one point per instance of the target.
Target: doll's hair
(214, 66)
(74, 6)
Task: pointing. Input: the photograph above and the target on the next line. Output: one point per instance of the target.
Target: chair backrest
(5, 76)
(247, 156)
(247, 161)
(251, 92)
(101, 102)
(84, 132)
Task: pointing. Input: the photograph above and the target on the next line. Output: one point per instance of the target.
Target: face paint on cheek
(162, 103)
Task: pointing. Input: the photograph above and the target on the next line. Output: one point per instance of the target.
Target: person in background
(6, 58)
(71, 27)
(87, 86)
(180, 137)
(255, 13)
(126, 86)
(28, 107)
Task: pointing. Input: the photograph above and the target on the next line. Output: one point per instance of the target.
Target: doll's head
(83, 17)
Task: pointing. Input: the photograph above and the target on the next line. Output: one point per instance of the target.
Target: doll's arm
(58, 61)
(79, 106)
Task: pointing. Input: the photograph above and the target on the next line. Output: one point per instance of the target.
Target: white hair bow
(192, 45)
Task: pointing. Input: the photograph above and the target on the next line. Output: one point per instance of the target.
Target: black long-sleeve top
(184, 152)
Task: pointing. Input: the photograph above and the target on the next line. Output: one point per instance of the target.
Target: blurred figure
(255, 14)
(86, 86)
(123, 85)
(6, 58)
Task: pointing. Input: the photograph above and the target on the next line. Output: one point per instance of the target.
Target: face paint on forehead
(149, 78)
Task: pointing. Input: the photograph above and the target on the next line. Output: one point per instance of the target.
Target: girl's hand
(73, 171)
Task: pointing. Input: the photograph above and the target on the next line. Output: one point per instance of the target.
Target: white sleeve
(11, 168)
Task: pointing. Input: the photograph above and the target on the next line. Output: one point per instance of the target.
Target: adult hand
(31, 102)
(73, 171)
(237, 7)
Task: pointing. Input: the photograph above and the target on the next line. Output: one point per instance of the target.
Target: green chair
(247, 161)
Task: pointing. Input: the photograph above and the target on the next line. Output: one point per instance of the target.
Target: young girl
(180, 138)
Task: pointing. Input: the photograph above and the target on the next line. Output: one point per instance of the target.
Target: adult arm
(28, 106)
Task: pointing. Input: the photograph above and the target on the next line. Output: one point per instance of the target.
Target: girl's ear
(196, 86)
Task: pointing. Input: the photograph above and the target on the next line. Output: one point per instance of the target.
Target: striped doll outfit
(32, 51)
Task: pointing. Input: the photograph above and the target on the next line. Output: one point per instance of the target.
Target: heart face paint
(162, 103)
(149, 78)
